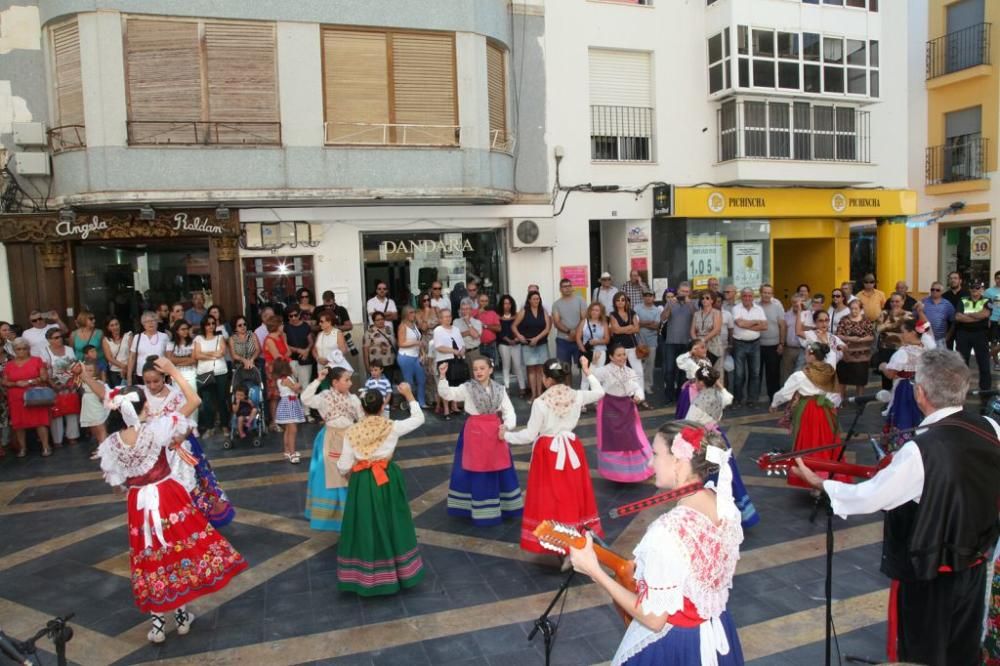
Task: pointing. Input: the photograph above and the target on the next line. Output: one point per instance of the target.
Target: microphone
(862, 400)
(7, 648)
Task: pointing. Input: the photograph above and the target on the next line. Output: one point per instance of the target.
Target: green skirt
(378, 551)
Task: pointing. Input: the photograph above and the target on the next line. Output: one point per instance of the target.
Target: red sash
(482, 448)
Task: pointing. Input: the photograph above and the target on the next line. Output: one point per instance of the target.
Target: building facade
(771, 119)
(954, 131)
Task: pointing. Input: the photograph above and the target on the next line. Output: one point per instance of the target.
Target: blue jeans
(672, 379)
(490, 351)
(413, 374)
(567, 351)
(746, 374)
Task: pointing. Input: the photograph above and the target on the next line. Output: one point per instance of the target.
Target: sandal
(293, 457)
(46, 452)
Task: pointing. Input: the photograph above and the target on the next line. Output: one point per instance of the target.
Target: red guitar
(559, 537)
(779, 462)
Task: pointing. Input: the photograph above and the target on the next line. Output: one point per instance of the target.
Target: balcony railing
(392, 134)
(958, 50)
(203, 133)
(621, 133)
(792, 131)
(962, 158)
(67, 137)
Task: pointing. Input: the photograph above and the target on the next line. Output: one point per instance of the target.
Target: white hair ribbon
(122, 401)
(725, 506)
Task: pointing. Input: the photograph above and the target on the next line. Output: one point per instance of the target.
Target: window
(621, 105)
(873, 63)
(201, 82)
(496, 75)
(69, 130)
(963, 147)
(872, 5)
(788, 60)
(384, 87)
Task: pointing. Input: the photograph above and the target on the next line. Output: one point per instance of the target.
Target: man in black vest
(940, 493)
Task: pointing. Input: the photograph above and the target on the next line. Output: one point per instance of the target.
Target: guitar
(779, 462)
(559, 537)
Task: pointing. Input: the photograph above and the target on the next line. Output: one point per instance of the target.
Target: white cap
(605, 275)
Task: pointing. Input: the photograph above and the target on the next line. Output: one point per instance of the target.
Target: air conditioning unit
(29, 134)
(533, 233)
(31, 164)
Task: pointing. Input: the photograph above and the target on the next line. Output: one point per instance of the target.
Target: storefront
(784, 236)
(966, 248)
(114, 263)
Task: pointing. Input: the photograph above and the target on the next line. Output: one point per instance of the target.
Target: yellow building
(959, 143)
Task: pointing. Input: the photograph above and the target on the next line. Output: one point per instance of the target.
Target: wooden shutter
(423, 72)
(68, 79)
(356, 86)
(242, 82)
(163, 62)
(497, 82)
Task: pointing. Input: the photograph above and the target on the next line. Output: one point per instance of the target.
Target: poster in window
(748, 259)
(706, 257)
(638, 248)
(979, 243)
(577, 275)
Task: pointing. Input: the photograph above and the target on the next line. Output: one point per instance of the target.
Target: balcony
(803, 131)
(203, 133)
(392, 134)
(963, 158)
(621, 133)
(958, 50)
(67, 137)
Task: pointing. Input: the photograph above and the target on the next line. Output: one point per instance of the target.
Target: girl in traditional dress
(326, 493)
(93, 413)
(484, 485)
(706, 410)
(902, 412)
(289, 412)
(685, 563)
(623, 451)
(559, 486)
(175, 555)
(162, 399)
(378, 551)
(813, 399)
(695, 357)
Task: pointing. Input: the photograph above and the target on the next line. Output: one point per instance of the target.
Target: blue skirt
(748, 512)
(903, 414)
(485, 497)
(682, 647)
(683, 400)
(207, 496)
(324, 506)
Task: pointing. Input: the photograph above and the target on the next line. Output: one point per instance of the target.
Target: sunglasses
(425, 300)
(293, 315)
(837, 296)
(869, 281)
(936, 289)
(241, 325)
(36, 319)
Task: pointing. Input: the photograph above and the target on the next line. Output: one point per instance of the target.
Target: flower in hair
(686, 442)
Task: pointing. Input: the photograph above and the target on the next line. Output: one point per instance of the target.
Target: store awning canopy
(791, 202)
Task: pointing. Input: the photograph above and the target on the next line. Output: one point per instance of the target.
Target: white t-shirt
(412, 334)
(753, 313)
(144, 347)
(36, 338)
(444, 337)
(215, 366)
(386, 306)
(441, 303)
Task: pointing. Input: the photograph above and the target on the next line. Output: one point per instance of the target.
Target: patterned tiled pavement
(63, 549)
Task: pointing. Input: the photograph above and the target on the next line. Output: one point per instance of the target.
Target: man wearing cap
(972, 320)
(872, 299)
(605, 294)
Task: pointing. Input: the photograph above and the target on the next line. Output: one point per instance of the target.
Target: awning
(790, 202)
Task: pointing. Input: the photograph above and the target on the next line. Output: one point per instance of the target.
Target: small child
(93, 413)
(90, 354)
(377, 381)
(243, 410)
(289, 411)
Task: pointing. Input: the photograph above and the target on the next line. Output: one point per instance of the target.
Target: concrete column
(300, 83)
(102, 64)
(473, 90)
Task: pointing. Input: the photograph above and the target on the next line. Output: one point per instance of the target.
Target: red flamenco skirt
(565, 495)
(814, 423)
(196, 561)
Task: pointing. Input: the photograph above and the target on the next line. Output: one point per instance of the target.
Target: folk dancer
(175, 555)
(559, 485)
(902, 412)
(685, 563)
(940, 494)
(695, 357)
(378, 551)
(326, 493)
(623, 451)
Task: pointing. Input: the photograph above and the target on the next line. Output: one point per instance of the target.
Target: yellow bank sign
(735, 202)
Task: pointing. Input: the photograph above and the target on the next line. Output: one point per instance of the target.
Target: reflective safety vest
(970, 306)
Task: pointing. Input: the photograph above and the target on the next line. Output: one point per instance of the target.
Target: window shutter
(241, 79)
(497, 82)
(620, 79)
(68, 79)
(356, 86)
(423, 71)
(163, 63)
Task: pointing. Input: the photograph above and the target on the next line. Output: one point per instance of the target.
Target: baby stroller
(251, 381)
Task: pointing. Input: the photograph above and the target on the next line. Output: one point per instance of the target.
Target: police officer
(972, 320)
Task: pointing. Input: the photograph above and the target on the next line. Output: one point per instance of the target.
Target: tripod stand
(544, 624)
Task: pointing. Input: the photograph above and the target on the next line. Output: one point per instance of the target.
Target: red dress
(269, 358)
(22, 417)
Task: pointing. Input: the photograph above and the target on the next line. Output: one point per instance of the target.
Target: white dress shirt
(622, 382)
(544, 422)
(459, 394)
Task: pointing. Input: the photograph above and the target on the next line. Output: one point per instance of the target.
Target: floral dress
(4, 411)
(430, 322)
(379, 344)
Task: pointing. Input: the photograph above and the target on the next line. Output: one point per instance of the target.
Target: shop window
(735, 251)
(966, 249)
(272, 282)
(201, 82)
(863, 244)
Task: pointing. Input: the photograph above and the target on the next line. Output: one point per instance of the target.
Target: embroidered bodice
(120, 461)
(337, 410)
(621, 381)
(164, 404)
(498, 395)
(548, 421)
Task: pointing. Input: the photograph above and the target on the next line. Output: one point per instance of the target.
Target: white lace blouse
(545, 422)
(689, 364)
(459, 394)
(684, 555)
(799, 383)
(334, 414)
(622, 382)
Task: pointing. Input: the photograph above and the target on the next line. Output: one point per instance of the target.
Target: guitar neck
(660, 498)
(850, 469)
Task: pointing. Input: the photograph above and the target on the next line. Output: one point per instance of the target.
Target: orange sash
(377, 467)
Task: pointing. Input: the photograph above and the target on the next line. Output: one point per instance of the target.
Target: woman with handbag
(115, 342)
(212, 377)
(592, 336)
(378, 345)
(508, 346)
(410, 350)
(87, 333)
(23, 377)
(180, 351)
(65, 412)
(624, 323)
(427, 321)
(145, 344)
(449, 348)
(532, 330)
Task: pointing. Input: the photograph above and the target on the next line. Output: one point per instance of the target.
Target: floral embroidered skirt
(326, 497)
(623, 450)
(207, 495)
(195, 561)
(485, 497)
(565, 495)
(378, 551)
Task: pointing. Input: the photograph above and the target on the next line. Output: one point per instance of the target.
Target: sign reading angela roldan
(47, 227)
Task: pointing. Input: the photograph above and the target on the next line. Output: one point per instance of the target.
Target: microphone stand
(544, 624)
(851, 432)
